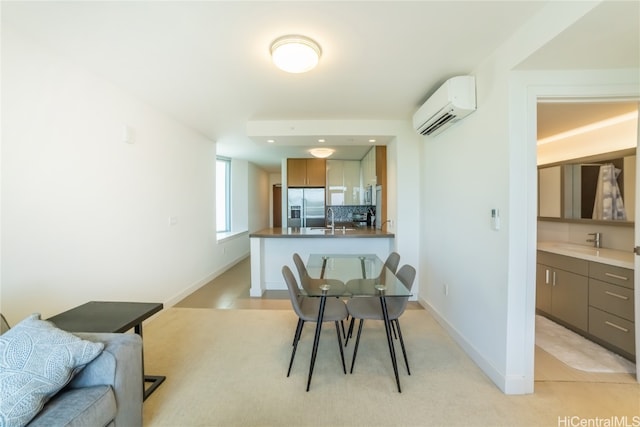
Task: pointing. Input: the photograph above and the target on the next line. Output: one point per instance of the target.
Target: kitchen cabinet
(368, 167)
(343, 182)
(352, 182)
(306, 172)
(563, 286)
(611, 308)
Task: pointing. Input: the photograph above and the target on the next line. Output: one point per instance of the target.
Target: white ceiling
(207, 63)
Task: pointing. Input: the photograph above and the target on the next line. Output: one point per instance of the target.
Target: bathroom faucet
(333, 218)
(597, 243)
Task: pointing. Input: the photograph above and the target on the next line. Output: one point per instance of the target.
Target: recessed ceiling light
(321, 152)
(271, 141)
(372, 140)
(295, 53)
(321, 140)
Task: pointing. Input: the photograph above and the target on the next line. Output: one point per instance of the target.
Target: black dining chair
(306, 308)
(369, 308)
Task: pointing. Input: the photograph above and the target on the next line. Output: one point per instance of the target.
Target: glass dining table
(353, 276)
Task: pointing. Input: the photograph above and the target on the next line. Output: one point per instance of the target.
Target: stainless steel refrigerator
(305, 207)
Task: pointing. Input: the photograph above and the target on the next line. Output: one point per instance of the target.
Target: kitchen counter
(320, 232)
(603, 255)
(273, 248)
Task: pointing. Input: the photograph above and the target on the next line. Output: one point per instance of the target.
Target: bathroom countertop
(603, 255)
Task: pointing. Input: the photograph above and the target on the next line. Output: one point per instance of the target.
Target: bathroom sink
(577, 248)
(609, 256)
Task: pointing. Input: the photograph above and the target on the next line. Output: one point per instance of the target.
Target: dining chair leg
(296, 338)
(355, 349)
(316, 338)
(349, 332)
(387, 328)
(404, 352)
(344, 367)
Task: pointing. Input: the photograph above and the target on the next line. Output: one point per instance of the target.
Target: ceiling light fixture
(295, 53)
(321, 153)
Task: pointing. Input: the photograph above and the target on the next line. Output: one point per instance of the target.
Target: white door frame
(526, 87)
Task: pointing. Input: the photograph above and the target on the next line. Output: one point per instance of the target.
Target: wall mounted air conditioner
(453, 101)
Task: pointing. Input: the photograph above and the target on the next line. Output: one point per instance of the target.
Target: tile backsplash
(344, 213)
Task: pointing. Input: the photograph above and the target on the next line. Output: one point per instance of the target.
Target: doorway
(599, 128)
(277, 205)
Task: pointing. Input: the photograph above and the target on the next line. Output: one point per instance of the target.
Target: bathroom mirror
(567, 191)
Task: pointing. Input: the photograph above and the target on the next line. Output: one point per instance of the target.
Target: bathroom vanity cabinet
(562, 288)
(611, 310)
(592, 298)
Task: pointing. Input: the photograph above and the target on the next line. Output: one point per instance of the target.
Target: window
(223, 194)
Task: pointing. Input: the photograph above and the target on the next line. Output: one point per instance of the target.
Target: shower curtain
(608, 203)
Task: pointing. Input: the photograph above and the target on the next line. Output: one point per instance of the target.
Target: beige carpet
(577, 351)
(228, 368)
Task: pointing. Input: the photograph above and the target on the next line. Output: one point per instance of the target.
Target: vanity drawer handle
(616, 276)
(613, 325)
(613, 294)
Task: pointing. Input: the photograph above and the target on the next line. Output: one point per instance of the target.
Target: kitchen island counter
(313, 232)
(272, 248)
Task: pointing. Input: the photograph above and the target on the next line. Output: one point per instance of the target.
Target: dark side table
(114, 317)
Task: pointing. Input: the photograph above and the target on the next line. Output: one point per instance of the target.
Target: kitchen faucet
(597, 242)
(333, 218)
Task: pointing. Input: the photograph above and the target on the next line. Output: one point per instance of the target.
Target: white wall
(259, 195)
(85, 216)
(474, 167)
(403, 196)
(239, 195)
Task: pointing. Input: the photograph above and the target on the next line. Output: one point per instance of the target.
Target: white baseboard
(507, 384)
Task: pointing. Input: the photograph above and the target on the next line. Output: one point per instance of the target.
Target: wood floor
(230, 290)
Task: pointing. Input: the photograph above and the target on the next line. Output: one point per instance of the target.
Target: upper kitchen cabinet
(343, 182)
(374, 172)
(374, 166)
(306, 172)
(368, 167)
